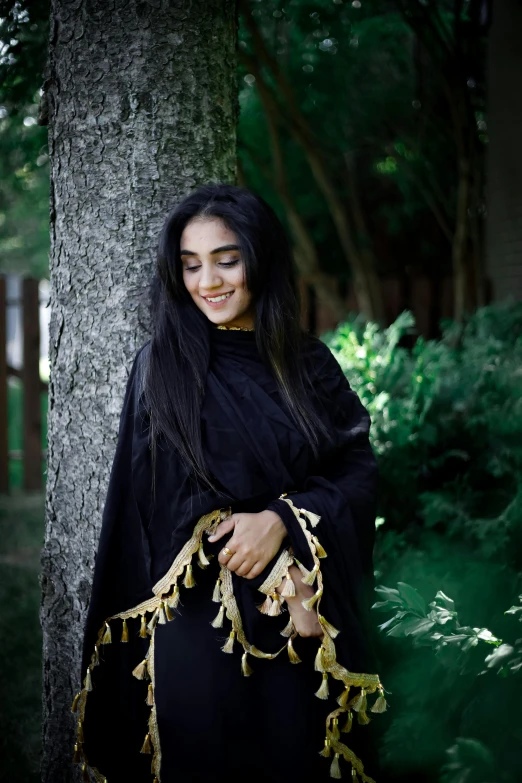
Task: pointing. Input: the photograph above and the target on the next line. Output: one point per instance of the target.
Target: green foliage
(446, 428)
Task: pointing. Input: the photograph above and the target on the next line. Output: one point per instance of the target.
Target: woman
(237, 531)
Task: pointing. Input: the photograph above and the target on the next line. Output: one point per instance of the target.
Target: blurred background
(386, 134)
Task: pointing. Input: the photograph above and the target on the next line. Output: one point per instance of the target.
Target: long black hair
(179, 349)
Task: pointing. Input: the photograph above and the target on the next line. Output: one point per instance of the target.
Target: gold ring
(226, 551)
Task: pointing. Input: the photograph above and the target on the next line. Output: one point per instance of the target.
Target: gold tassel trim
(74, 705)
(141, 672)
(79, 731)
(85, 774)
(203, 560)
(88, 680)
(380, 703)
(216, 595)
(143, 627)
(107, 636)
(150, 695)
(319, 659)
(245, 668)
(326, 751)
(292, 655)
(305, 572)
(173, 600)
(189, 580)
(77, 757)
(354, 775)
(342, 700)
(229, 644)
(335, 769)
(319, 548)
(124, 632)
(168, 611)
(146, 747)
(288, 590)
(265, 607)
(95, 660)
(310, 578)
(328, 627)
(359, 703)
(288, 629)
(309, 603)
(275, 609)
(162, 619)
(310, 516)
(322, 692)
(153, 620)
(217, 622)
(362, 718)
(347, 726)
(335, 728)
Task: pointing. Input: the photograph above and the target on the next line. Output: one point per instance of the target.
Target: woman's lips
(220, 303)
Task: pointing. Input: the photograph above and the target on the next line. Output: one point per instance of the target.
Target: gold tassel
(310, 578)
(173, 600)
(319, 550)
(342, 700)
(216, 595)
(322, 692)
(305, 572)
(150, 695)
(319, 662)
(245, 668)
(360, 701)
(189, 580)
(88, 681)
(275, 609)
(77, 757)
(326, 751)
(309, 603)
(347, 727)
(85, 774)
(79, 731)
(203, 560)
(74, 705)
(328, 627)
(335, 769)
(124, 632)
(266, 605)
(354, 775)
(143, 627)
(107, 636)
(168, 612)
(146, 747)
(380, 703)
(293, 656)
(229, 644)
(153, 620)
(362, 718)
(217, 622)
(288, 590)
(335, 728)
(312, 518)
(162, 616)
(141, 671)
(288, 629)
(96, 655)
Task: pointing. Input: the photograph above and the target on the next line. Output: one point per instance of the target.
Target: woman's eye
(223, 263)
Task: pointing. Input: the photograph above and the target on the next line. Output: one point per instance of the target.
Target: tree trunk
(142, 108)
(504, 164)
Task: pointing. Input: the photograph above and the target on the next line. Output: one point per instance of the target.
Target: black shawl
(147, 552)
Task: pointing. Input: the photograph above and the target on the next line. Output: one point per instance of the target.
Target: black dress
(185, 678)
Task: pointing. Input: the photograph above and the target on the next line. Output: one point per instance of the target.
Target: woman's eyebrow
(212, 252)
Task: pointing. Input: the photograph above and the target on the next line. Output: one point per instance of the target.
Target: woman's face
(212, 266)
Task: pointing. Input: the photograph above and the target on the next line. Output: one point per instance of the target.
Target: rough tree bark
(141, 102)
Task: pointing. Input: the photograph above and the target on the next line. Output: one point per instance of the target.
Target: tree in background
(142, 108)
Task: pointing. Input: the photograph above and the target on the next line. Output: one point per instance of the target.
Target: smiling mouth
(219, 298)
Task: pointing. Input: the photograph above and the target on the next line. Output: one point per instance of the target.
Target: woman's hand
(255, 541)
(305, 622)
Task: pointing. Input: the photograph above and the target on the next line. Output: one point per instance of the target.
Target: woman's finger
(226, 554)
(254, 571)
(244, 568)
(235, 562)
(223, 528)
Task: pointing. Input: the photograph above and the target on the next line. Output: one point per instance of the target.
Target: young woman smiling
(242, 450)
